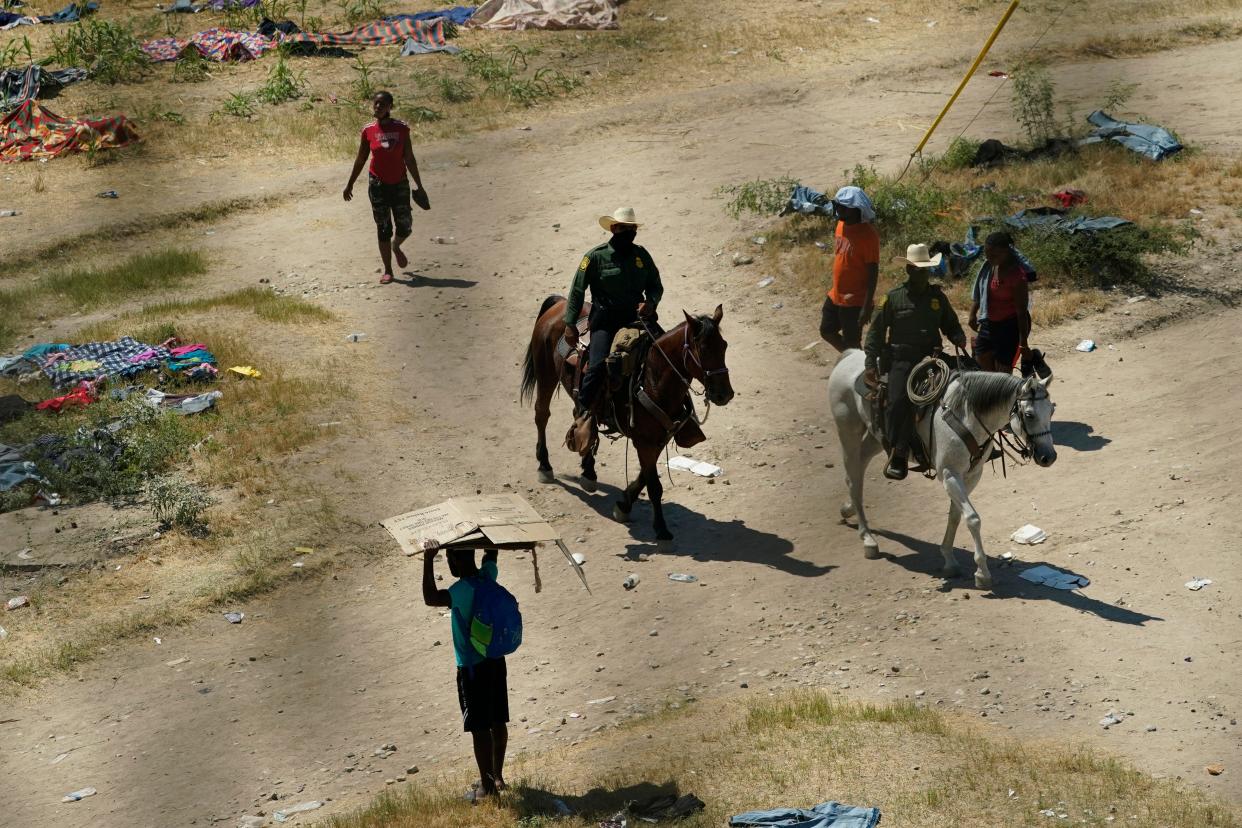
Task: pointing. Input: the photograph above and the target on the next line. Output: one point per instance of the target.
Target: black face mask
(624, 238)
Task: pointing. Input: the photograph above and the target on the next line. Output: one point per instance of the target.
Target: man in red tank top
(386, 141)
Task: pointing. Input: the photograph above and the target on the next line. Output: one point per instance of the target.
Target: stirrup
(897, 468)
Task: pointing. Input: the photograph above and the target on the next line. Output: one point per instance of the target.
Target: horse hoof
(950, 572)
(546, 476)
(666, 546)
(847, 511)
(588, 485)
(983, 582)
(871, 551)
(620, 516)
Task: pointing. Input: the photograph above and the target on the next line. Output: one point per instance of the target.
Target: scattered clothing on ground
(545, 14)
(70, 13)
(823, 815)
(457, 15)
(83, 395)
(993, 153)
(417, 47)
(15, 469)
(1069, 197)
(20, 85)
(32, 131)
(97, 360)
(13, 407)
(1056, 219)
(808, 202)
(1154, 142)
(10, 20)
(274, 30)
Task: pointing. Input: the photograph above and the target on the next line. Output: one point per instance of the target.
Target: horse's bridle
(1023, 447)
(687, 351)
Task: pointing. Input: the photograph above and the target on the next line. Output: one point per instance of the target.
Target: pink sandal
(386, 279)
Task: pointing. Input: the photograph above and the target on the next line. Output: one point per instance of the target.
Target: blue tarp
(457, 15)
(1154, 142)
(1052, 218)
(823, 815)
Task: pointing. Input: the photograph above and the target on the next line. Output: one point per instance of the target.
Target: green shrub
(1115, 257)
(177, 502)
(283, 84)
(910, 210)
(454, 90)
(960, 154)
(363, 86)
(110, 51)
(236, 105)
(13, 52)
(357, 11)
(1033, 103)
(763, 196)
(191, 68)
(422, 115)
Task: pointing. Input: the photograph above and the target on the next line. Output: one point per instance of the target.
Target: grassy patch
(87, 288)
(799, 749)
(108, 49)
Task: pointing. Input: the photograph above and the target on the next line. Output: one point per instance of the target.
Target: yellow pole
(1013, 6)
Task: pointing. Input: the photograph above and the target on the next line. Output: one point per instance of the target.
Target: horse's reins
(686, 350)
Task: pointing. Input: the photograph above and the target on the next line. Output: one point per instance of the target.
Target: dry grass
(918, 766)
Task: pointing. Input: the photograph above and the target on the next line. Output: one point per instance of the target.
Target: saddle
(927, 384)
(623, 370)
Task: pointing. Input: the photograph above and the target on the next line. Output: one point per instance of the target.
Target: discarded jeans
(1154, 142)
(823, 815)
(417, 47)
(808, 202)
(70, 13)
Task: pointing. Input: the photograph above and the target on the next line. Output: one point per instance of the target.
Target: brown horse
(694, 350)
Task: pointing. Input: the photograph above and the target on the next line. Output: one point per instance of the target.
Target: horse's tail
(528, 365)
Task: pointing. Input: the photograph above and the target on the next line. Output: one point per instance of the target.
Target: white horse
(981, 403)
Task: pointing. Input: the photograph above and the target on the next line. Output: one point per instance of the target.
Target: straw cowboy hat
(621, 215)
(919, 256)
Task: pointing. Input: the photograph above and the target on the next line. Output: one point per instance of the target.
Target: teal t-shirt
(462, 596)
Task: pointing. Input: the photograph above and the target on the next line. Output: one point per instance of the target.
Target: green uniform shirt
(615, 279)
(911, 323)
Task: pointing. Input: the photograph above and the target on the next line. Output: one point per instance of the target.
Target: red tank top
(1002, 292)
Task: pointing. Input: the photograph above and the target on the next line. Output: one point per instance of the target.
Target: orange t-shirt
(858, 245)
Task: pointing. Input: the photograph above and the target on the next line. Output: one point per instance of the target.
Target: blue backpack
(495, 622)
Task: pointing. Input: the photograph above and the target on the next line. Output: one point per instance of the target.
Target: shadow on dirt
(926, 560)
(1078, 436)
(699, 536)
(417, 280)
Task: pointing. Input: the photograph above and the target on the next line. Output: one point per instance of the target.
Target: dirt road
(295, 701)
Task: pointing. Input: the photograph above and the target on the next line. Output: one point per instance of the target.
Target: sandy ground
(295, 701)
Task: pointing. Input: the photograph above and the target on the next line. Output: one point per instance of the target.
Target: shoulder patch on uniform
(586, 262)
(935, 304)
(638, 261)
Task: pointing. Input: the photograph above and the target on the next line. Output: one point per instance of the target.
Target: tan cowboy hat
(919, 256)
(621, 215)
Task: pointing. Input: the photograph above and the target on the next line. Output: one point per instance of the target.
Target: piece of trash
(299, 564)
(356, 337)
(1086, 346)
(158, 641)
(9, 213)
(931, 24)
(766, 280)
(1196, 584)
(176, 662)
(247, 371)
(579, 558)
(777, 305)
(699, 467)
(811, 345)
(1007, 556)
(1029, 535)
(304, 550)
(1055, 578)
(561, 808)
(1215, 770)
(631, 581)
(1195, 211)
(604, 700)
(683, 577)
(444, 240)
(17, 603)
(25, 554)
(284, 813)
(617, 820)
(3, 633)
(1113, 718)
(759, 240)
(79, 795)
(50, 498)
(109, 194)
(740, 259)
(1141, 297)
(872, 20)
(822, 245)
(60, 757)
(250, 821)
(996, 73)
(234, 617)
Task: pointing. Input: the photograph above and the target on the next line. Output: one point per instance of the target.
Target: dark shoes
(897, 468)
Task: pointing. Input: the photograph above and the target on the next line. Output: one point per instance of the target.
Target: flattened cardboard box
(471, 522)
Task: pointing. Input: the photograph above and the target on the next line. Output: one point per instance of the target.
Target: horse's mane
(984, 390)
(706, 326)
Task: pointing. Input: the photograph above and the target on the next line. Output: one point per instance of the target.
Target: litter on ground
(699, 467)
(1029, 535)
(683, 578)
(284, 813)
(1196, 584)
(76, 796)
(1045, 575)
(823, 815)
(1086, 346)
(234, 617)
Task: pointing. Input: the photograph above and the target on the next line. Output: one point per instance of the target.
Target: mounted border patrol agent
(906, 328)
(625, 287)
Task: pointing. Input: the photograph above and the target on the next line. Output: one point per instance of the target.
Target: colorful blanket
(32, 131)
(221, 45)
(379, 33)
(96, 360)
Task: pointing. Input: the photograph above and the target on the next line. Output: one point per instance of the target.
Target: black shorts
(999, 338)
(390, 205)
(843, 320)
(483, 693)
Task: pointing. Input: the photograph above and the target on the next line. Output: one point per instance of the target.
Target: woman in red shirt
(1000, 312)
(387, 141)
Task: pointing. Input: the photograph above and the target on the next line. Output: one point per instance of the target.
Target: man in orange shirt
(855, 270)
